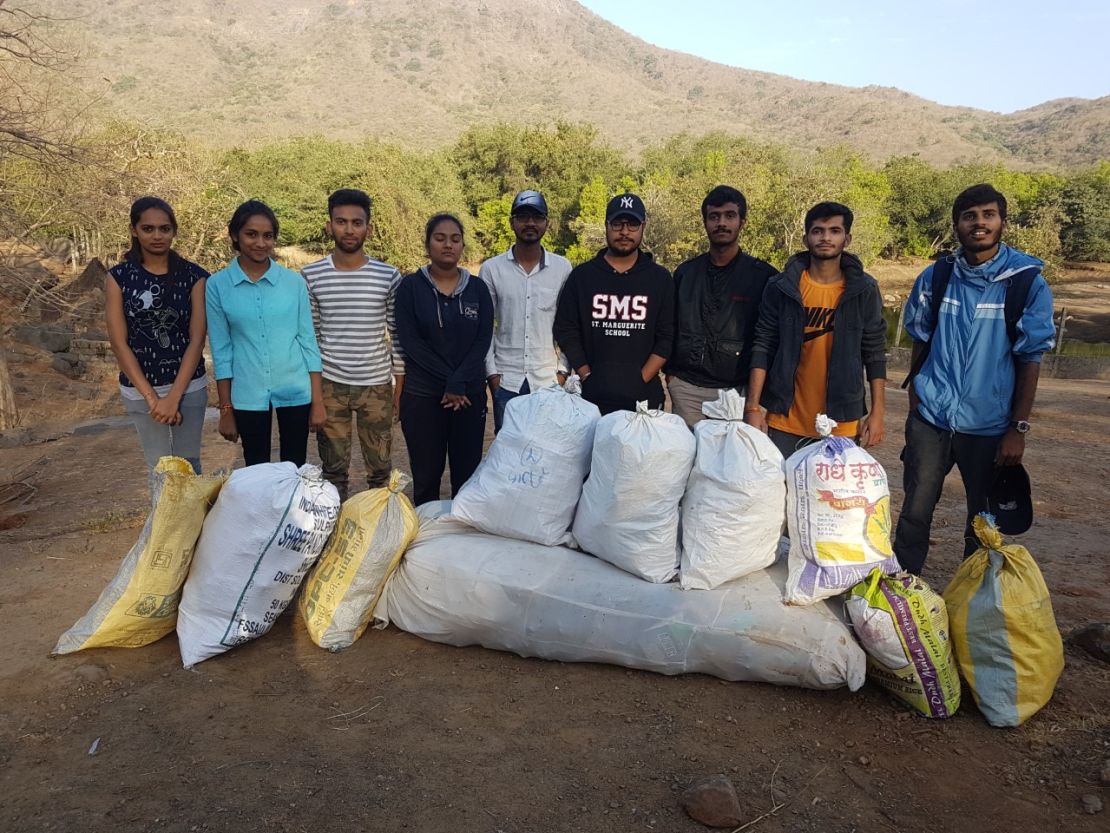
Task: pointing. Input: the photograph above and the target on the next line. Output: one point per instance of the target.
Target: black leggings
(255, 430)
(434, 435)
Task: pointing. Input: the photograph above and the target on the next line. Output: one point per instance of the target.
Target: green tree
(1085, 234)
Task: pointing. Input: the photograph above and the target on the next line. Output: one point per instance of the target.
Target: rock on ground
(712, 802)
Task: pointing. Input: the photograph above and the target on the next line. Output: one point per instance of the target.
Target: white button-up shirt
(524, 311)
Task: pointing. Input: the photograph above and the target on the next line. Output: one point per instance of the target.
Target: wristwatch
(1022, 426)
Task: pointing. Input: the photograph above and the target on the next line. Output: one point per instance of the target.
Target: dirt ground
(401, 734)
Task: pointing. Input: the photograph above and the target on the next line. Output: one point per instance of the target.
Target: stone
(91, 673)
(68, 365)
(1092, 804)
(712, 802)
(1105, 775)
(52, 338)
(1094, 639)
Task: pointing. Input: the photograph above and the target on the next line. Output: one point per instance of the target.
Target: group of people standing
(349, 342)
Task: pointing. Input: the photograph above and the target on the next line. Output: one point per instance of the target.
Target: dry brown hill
(419, 73)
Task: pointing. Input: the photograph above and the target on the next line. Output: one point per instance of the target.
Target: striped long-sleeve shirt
(353, 315)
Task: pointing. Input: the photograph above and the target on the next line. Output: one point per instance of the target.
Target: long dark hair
(435, 220)
(135, 253)
(251, 208)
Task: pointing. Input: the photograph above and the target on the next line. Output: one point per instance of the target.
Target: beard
(825, 255)
(349, 248)
(623, 249)
(985, 244)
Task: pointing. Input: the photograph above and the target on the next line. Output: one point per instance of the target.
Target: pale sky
(1001, 56)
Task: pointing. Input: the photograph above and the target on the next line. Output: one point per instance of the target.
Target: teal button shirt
(262, 337)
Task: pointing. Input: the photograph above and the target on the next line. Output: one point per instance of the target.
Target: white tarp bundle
(735, 503)
(838, 514)
(529, 483)
(268, 526)
(462, 587)
(628, 514)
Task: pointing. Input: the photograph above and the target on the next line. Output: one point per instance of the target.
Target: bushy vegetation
(902, 208)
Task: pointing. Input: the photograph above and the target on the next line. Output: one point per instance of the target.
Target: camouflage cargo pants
(370, 407)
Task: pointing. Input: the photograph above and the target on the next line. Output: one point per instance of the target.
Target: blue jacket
(262, 337)
(967, 382)
(444, 338)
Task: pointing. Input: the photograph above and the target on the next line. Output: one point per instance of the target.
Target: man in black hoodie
(615, 316)
(717, 297)
(820, 329)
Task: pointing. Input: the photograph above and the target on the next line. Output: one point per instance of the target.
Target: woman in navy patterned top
(156, 324)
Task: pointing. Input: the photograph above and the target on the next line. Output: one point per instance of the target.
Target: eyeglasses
(621, 225)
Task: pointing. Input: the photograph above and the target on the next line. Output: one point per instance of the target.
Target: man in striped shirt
(352, 308)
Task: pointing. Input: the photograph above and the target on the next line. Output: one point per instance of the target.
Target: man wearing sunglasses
(615, 316)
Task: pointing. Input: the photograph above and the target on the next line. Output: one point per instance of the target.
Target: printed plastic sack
(139, 605)
(267, 528)
(459, 586)
(838, 514)
(735, 503)
(371, 535)
(902, 624)
(529, 483)
(628, 514)
(1007, 645)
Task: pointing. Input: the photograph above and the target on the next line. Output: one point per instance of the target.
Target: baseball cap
(1010, 500)
(625, 205)
(531, 200)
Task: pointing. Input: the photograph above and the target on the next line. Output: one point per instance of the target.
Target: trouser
(372, 407)
(254, 429)
(434, 435)
(687, 399)
(788, 443)
(159, 440)
(652, 393)
(929, 455)
(501, 398)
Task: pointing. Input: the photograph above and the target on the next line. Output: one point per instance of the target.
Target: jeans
(929, 455)
(435, 434)
(159, 440)
(372, 409)
(501, 398)
(255, 430)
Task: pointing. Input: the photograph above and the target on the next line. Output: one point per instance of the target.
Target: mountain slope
(235, 71)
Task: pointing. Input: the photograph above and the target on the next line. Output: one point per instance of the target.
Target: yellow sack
(139, 605)
(373, 531)
(903, 626)
(1007, 645)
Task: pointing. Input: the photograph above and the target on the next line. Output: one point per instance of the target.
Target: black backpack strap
(1017, 296)
(942, 274)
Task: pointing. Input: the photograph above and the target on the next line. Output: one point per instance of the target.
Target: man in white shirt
(352, 308)
(524, 283)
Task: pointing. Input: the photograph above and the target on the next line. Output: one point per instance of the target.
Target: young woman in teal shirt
(264, 350)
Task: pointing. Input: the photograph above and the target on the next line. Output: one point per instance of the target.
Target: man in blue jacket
(971, 399)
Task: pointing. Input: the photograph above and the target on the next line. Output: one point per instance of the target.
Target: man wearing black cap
(524, 283)
(615, 318)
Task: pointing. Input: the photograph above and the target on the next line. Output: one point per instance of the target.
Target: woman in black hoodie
(444, 326)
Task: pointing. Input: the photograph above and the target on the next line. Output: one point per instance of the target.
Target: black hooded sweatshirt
(613, 321)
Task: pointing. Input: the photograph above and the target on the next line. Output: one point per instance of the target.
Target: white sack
(461, 587)
(735, 503)
(628, 514)
(838, 514)
(529, 483)
(268, 526)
